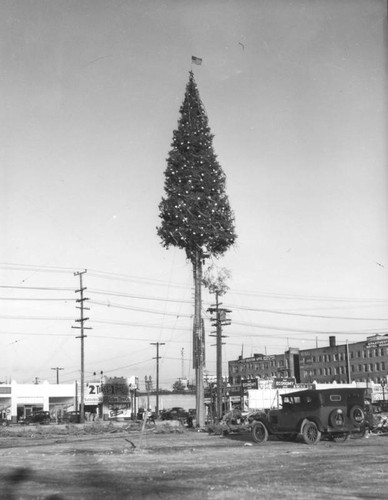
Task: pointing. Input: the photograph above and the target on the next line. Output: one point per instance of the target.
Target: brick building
(365, 361)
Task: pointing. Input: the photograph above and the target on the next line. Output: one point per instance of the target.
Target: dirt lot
(122, 462)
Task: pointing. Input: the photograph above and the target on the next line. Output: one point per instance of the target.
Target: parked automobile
(38, 417)
(72, 417)
(333, 413)
(175, 413)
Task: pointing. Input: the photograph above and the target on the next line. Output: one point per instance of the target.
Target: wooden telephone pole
(57, 370)
(157, 374)
(82, 327)
(219, 320)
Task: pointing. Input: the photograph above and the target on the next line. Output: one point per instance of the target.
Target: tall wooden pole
(198, 340)
(157, 375)
(82, 327)
(219, 360)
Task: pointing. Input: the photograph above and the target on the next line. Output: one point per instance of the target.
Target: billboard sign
(116, 390)
(93, 393)
(284, 383)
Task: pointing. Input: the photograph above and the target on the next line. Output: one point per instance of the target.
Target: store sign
(116, 390)
(248, 384)
(93, 394)
(259, 357)
(377, 343)
(283, 383)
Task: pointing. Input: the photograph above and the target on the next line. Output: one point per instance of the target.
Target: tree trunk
(198, 341)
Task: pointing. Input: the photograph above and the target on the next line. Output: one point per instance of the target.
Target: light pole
(383, 383)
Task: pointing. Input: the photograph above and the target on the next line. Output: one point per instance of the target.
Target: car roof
(337, 390)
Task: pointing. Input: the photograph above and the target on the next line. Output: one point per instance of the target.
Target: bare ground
(122, 462)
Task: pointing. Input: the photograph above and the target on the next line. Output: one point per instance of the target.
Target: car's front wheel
(259, 432)
(311, 433)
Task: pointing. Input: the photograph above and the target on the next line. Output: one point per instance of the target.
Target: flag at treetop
(196, 60)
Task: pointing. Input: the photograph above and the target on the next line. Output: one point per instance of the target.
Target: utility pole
(182, 363)
(198, 341)
(57, 370)
(148, 384)
(82, 327)
(157, 374)
(219, 321)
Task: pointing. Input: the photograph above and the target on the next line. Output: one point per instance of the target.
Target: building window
(359, 354)
(382, 366)
(365, 368)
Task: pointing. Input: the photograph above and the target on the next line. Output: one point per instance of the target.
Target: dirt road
(123, 463)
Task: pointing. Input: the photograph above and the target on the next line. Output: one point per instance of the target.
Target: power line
(45, 288)
(46, 299)
(141, 309)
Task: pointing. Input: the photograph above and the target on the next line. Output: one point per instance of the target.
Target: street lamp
(383, 383)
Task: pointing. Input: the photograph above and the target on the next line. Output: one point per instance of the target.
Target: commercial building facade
(20, 400)
(364, 361)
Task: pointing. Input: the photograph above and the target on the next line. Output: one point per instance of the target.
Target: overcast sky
(295, 93)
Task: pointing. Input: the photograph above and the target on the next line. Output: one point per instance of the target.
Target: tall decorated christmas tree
(195, 212)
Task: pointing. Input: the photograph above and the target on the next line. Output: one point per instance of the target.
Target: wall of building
(17, 400)
(365, 361)
(186, 401)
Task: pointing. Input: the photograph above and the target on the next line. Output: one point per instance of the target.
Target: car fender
(304, 421)
(264, 420)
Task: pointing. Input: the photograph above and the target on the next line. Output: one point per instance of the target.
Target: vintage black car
(333, 413)
(71, 417)
(38, 417)
(176, 413)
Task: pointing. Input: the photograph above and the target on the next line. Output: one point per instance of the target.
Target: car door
(289, 415)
